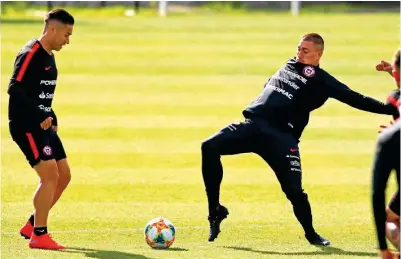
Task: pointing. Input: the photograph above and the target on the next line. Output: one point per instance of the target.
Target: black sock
(213, 208)
(32, 220)
(311, 236)
(40, 231)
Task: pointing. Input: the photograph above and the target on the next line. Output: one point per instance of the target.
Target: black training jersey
(32, 86)
(394, 98)
(297, 89)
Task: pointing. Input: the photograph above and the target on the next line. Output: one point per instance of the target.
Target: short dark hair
(397, 58)
(60, 15)
(315, 38)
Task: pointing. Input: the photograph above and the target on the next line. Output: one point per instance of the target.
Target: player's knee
(48, 172)
(64, 180)
(51, 177)
(296, 195)
(209, 146)
(64, 176)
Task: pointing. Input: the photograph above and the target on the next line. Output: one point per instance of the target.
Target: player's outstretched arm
(343, 93)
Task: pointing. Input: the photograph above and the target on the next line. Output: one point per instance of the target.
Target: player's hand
(384, 126)
(386, 254)
(384, 66)
(55, 128)
(47, 123)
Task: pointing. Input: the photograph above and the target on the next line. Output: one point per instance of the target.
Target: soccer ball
(159, 233)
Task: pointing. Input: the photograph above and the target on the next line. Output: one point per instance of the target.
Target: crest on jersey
(309, 71)
(47, 150)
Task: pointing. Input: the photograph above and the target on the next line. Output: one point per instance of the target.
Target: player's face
(308, 53)
(62, 35)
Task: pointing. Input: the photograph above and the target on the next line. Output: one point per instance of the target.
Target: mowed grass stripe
(170, 121)
(256, 66)
(215, 109)
(184, 192)
(192, 133)
(270, 33)
(260, 173)
(179, 146)
(185, 160)
(279, 214)
(161, 85)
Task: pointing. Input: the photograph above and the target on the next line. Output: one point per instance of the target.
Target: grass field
(135, 98)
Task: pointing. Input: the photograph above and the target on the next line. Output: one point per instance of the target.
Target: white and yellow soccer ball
(159, 233)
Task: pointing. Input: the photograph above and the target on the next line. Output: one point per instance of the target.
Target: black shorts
(37, 144)
(394, 204)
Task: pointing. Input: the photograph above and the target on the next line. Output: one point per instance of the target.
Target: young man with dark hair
(273, 125)
(33, 123)
(387, 158)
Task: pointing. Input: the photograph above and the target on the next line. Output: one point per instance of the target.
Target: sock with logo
(32, 220)
(40, 231)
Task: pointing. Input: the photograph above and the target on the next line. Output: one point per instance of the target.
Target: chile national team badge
(47, 150)
(309, 71)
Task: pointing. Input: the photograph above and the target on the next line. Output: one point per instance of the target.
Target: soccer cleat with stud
(44, 241)
(317, 240)
(215, 221)
(27, 230)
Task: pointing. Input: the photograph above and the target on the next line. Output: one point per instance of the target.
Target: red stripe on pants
(33, 145)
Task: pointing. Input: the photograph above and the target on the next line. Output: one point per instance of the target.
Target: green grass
(135, 98)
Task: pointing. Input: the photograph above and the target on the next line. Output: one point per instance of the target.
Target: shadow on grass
(324, 251)
(107, 254)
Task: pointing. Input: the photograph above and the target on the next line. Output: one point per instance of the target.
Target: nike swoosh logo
(47, 68)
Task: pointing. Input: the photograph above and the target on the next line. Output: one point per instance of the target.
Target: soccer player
(273, 125)
(387, 158)
(33, 123)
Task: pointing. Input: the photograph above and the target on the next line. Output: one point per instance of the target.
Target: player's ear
(52, 26)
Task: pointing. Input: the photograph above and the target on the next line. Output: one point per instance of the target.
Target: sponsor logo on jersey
(295, 75)
(295, 163)
(44, 108)
(46, 96)
(48, 82)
